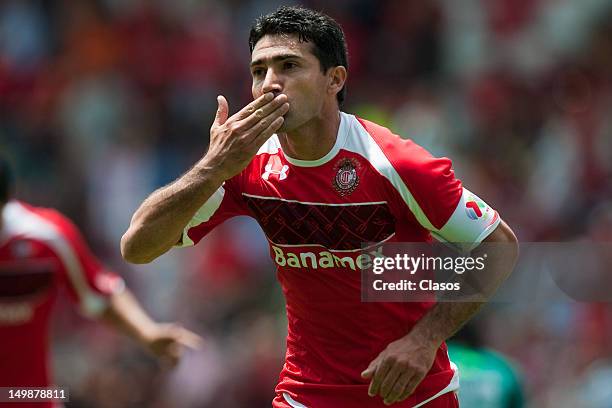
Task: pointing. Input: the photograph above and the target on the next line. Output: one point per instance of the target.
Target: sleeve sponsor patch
(471, 222)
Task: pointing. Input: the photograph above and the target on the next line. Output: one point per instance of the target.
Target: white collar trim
(340, 141)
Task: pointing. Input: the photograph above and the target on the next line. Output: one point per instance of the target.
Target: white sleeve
(471, 222)
(201, 216)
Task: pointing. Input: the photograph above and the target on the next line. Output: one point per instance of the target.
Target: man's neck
(314, 139)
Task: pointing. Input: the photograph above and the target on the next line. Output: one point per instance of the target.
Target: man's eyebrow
(277, 58)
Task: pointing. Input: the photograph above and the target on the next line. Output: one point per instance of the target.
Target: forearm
(158, 223)
(125, 314)
(166, 341)
(446, 318)
(443, 321)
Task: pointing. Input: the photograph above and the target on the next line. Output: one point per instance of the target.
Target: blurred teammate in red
(321, 182)
(41, 251)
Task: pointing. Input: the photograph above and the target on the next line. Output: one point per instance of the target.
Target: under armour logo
(275, 166)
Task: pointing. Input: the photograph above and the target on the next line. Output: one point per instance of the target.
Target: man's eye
(257, 72)
(289, 65)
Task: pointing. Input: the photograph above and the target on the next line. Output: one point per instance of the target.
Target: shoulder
(21, 218)
(38, 223)
(381, 146)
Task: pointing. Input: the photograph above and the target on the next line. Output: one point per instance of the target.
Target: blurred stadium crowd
(103, 101)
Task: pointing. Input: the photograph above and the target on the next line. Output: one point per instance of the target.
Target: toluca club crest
(346, 179)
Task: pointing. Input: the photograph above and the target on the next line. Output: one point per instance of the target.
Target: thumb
(222, 110)
(369, 372)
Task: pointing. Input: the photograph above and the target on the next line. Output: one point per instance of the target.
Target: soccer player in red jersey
(41, 251)
(320, 182)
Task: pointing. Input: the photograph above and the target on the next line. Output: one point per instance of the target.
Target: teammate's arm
(159, 222)
(102, 295)
(399, 369)
(165, 341)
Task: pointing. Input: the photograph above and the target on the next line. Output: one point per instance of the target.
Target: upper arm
(438, 200)
(472, 220)
(503, 233)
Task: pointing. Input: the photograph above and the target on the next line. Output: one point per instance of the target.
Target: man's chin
(291, 124)
(286, 126)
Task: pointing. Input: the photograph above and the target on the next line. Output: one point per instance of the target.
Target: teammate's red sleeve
(88, 283)
(225, 203)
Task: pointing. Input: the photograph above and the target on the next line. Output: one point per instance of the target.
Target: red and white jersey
(41, 251)
(371, 187)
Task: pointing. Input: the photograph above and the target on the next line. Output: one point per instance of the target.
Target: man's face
(283, 64)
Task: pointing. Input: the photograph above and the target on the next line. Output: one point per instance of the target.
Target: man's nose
(272, 83)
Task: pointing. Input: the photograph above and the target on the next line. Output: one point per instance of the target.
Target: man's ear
(337, 78)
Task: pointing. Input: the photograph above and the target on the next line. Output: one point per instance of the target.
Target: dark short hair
(326, 35)
(6, 181)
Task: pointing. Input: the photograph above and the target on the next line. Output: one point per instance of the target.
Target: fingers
(266, 113)
(189, 339)
(269, 131)
(222, 110)
(405, 394)
(276, 117)
(177, 336)
(253, 106)
(167, 351)
(369, 372)
(398, 390)
(411, 386)
(379, 376)
(170, 342)
(389, 380)
(170, 356)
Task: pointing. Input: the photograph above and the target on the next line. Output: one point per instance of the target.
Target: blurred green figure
(488, 379)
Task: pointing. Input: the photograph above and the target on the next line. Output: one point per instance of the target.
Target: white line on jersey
(312, 203)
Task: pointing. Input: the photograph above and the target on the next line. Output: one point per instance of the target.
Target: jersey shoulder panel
(426, 184)
(413, 161)
(88, 282)
(429, 187)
